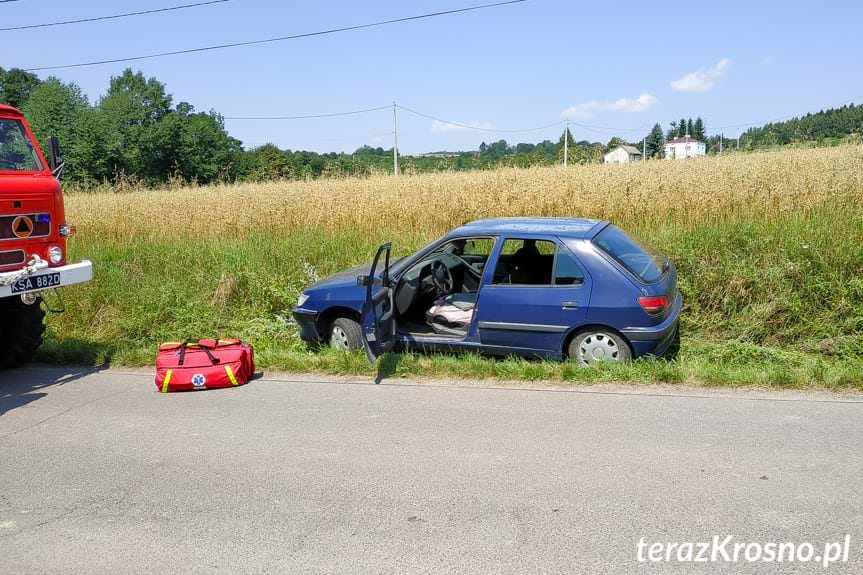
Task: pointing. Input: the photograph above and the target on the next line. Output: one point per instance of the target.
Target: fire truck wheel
(21, 329)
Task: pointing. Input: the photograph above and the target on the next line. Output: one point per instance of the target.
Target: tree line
(136, 133)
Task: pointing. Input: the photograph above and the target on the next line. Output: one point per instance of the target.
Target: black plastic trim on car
(523, 326)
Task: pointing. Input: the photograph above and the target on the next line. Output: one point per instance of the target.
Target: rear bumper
(307, 320)
(71, 274)
(655, 339)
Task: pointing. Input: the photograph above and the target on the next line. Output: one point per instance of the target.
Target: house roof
(684, 140)
(628, 149)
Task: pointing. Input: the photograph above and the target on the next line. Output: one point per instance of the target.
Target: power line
(277, 39)
(309, 116)
(112, 17)
(478, 128)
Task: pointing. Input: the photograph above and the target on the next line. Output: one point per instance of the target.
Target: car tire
(21, 329)
(345, 334)
(598, 344)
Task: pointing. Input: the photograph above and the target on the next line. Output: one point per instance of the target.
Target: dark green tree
(681, 128)
(615, 142)
(698, 130)
(55, 109)
(16, 85)
(571, 148)
(655, 143)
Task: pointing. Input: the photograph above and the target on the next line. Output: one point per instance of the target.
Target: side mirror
(55, 159)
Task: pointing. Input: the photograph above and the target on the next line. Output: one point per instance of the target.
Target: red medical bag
(205, 364)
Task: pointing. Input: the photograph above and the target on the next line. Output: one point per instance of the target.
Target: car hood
(347, 277)
(343, 278)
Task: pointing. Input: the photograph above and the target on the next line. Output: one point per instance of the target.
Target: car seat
(524, 262)
(451, 315)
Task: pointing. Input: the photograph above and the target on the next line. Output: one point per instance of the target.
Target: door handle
(569, 304)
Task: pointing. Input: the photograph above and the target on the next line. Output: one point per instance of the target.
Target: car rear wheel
(596, 344)
(345, 334)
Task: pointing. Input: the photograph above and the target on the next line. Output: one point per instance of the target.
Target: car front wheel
(345, 335)
(595, 345)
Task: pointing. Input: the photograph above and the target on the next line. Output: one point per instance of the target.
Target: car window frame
(409, 262)
(560, 246)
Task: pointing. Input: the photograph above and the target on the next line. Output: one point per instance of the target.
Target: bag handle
(185, 345)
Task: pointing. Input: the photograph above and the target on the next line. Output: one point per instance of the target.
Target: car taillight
(654, 305)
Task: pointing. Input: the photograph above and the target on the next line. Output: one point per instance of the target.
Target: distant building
(622, 154)
(684, 147)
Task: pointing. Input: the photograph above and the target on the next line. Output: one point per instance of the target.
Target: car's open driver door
(378, 318)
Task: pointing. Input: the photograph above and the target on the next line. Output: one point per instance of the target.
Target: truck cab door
(378, 317)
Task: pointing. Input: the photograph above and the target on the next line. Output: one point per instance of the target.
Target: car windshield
(17, 153)
(644, 265)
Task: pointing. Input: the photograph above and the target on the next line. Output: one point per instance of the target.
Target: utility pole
(395, 144)
(720, 143)
(644, 148)
(738, 143)
(566, 144)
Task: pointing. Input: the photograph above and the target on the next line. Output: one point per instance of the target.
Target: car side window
(525, 262)
(566, 271)
(536, 262)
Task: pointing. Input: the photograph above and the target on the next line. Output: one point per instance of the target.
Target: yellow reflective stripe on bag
(231, 376)
(167, 380)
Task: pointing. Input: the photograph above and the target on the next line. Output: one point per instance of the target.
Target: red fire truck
(33, 234)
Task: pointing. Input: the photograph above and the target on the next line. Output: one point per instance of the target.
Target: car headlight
(302, 299)
(55, 254)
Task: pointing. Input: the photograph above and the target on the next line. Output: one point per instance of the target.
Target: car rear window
(642, 264)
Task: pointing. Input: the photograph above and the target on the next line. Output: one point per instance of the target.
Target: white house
(622, 154)
(684, 147)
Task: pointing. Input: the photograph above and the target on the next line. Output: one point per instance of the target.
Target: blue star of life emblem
(198, 380)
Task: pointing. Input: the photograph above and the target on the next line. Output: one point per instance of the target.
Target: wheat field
(647, 194)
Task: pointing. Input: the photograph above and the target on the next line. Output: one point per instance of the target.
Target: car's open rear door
(378, 317)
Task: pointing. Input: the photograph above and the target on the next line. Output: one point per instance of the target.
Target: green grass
(776, 303)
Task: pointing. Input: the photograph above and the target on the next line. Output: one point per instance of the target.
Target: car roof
(564, 227)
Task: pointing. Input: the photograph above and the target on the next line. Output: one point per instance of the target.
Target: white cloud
(702, 80)
(438, 126)
(587, 109)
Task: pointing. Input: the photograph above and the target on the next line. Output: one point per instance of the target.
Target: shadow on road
(18, 387)
(387, 366)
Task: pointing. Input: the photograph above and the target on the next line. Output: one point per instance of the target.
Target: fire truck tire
(21, 329)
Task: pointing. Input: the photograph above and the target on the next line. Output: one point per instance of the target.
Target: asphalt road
(101, 474)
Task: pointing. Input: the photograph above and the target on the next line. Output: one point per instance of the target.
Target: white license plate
(33, 283)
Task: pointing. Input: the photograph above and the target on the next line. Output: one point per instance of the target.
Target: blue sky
(624, 65)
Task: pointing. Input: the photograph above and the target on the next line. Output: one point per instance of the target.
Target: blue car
(550, 287)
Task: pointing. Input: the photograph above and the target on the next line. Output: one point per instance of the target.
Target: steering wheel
(441, 277)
